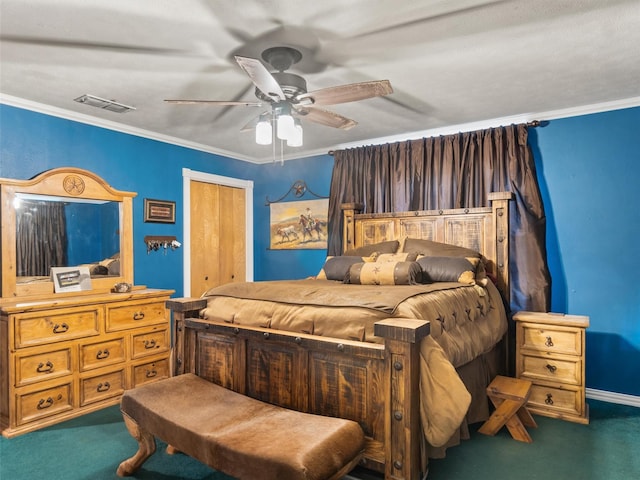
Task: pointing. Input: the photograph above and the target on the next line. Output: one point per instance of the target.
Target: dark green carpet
(91, 447)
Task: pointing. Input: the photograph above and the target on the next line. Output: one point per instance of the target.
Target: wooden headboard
(484, 229)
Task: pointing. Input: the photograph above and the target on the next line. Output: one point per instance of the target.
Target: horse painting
(310, 225)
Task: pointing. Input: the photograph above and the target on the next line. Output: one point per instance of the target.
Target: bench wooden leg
(146, 448)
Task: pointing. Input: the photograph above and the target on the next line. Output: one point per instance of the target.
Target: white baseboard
(613, 397)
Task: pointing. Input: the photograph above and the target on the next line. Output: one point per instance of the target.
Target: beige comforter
(466, 321)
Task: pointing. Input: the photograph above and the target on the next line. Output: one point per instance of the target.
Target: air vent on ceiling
(98, 102)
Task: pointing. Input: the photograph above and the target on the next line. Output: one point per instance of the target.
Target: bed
(402, 333)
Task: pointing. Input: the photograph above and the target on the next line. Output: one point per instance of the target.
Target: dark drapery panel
(41, 239)
(453, 171)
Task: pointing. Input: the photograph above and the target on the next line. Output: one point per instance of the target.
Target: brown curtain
(453, 171)
(41, 239)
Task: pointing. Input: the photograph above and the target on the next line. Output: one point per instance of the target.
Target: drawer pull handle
(103, 387)
(60, 328)
(138, 315)
(42, 404)
(45, 367)
(102, 354)
(549, 342)
(151, 373)
(549, 399)
(551, 368)
(148, 344)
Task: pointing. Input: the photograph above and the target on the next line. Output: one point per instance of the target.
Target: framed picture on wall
(299, 225)
(159, 211)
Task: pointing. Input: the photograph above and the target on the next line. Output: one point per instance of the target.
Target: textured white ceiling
(450, 62)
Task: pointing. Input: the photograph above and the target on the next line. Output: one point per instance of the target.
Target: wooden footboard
(375, 385)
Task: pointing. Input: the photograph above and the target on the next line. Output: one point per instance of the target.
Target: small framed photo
(71, 279)
(159, 211)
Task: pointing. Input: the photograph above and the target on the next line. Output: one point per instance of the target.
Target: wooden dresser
(67, 356)
(72, 346)
(550, 351)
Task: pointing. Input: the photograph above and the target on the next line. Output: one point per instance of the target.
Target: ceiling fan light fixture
(296, 140)
(285, 127)
(264, 131)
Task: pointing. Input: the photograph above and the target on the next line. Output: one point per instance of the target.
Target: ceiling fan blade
(348, 93)
(324, 117)
(220, 103)
(51, 42)
(261, 77)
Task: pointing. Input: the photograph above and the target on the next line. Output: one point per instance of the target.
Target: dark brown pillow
(390, 246)
(449, 269)
(336, 268)
(436, 249)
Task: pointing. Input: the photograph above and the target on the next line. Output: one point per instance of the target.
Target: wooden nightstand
(550, 351)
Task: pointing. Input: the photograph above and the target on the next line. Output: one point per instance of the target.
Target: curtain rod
(531, 124)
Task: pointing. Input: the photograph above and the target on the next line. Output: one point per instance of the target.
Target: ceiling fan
(287, 95)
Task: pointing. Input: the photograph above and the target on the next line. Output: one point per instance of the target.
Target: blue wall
(589, 172)
(31, 143)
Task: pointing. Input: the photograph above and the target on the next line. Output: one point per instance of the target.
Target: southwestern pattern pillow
(386, 273)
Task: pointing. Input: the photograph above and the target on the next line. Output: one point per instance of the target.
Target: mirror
(64, 217)
(62, 232)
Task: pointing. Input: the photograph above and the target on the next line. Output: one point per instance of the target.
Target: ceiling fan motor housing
(292, 85)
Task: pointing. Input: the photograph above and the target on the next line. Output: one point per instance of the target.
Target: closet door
(217, 237)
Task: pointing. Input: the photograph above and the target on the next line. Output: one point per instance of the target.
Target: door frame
(187, 176)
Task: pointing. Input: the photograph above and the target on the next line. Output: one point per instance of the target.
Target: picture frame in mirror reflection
(159, 211)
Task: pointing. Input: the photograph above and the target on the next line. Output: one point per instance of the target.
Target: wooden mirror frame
(61, 182)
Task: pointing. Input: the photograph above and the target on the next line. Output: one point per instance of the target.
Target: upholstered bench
(236, 434)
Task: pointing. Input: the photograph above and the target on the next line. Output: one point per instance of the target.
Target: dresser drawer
(551, 339)
(101, 354)
(149, 343)
(134, 315)
(566, 370)
(43, 403)
(558, 400)
(43, 366)
(150, 372)
(101, 387)
(56, 326)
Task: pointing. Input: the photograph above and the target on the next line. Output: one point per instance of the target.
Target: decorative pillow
(336, 268)
(390, 246)
(436, 249)
(439, 249)
(397, 257)
(449, 269)
(387, 273)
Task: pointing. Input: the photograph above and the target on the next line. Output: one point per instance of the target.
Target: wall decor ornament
(299, 224)
(159, 211)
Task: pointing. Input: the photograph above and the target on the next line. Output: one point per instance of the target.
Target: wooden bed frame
(373, 384)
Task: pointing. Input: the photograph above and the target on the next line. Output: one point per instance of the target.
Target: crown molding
(444, 130)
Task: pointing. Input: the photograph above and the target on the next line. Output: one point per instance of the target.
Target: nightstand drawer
(546, 399)
(565, 370)
(551, 339)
